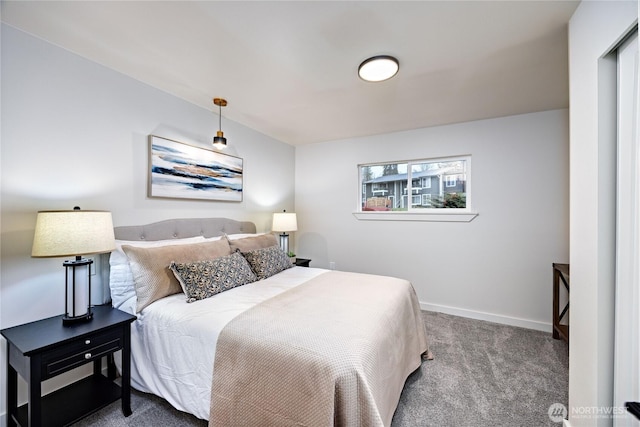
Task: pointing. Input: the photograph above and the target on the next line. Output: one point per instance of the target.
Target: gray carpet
(483, 374)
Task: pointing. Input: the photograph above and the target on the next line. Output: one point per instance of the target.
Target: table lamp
(284, 222)
(74, 233)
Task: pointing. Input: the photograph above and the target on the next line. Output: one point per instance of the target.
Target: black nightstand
(302, 262)
(43, 349)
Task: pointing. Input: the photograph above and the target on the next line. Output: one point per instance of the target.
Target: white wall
(496, 267)
(595, 28)
(75, 133)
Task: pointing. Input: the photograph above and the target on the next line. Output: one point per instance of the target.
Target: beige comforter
(335, 350)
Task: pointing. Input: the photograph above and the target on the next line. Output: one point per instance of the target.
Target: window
(416, 186)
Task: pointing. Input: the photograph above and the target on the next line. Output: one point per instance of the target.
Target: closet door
(627, 321)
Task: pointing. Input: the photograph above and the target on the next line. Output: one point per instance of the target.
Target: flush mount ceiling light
(219, 141)
(378, 68)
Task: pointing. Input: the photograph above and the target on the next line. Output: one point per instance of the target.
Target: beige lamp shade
(72, 233)
(284, 221)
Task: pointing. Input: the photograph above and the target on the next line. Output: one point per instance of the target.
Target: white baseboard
(496, 318)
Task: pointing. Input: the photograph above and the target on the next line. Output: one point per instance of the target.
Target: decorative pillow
(150, 267)
(204, 279)
(268, 261)
(120, 275)
(247, 244)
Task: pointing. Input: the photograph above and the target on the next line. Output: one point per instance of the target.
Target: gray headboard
(183, 228)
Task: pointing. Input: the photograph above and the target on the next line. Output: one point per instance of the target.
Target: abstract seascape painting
(178, 170)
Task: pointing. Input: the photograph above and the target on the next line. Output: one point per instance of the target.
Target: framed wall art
(182, 171)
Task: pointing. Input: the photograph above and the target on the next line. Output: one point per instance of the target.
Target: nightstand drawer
(79, 352)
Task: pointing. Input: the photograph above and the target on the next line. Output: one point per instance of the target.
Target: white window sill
(416, 216)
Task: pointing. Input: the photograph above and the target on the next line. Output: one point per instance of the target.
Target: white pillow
(243, 235)
(120, 274)
(210, 239)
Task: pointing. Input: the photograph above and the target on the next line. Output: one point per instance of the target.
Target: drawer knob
(87, 356)
(87, 342)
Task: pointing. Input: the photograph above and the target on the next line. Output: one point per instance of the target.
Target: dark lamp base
(69, 320)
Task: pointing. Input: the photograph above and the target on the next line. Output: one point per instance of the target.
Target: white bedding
(173, 343)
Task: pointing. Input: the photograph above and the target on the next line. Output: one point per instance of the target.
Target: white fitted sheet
(173, 343)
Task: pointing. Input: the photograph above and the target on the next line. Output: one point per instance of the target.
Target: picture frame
(182, 171)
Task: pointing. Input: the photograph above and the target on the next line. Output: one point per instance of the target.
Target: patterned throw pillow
(204, 279)
(266, 262)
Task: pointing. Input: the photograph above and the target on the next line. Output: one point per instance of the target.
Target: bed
(298, 346)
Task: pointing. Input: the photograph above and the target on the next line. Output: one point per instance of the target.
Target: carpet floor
(483, 374)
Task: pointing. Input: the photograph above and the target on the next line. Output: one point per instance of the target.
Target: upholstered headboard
(183, 228)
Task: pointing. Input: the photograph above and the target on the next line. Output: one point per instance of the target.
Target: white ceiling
(289, 68)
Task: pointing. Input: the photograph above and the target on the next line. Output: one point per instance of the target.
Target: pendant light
(219, 141)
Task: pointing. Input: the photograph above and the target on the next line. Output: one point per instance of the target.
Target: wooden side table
(560, 274)
(43, 349)
(302, 262)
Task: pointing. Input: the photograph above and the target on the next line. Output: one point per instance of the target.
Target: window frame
(465, 214)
